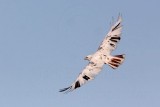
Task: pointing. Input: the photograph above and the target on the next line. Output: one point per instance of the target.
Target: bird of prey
(100, 57)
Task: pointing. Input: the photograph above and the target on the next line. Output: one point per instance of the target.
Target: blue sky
(43, 43)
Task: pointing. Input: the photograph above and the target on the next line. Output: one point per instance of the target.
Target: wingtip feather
(65, 89)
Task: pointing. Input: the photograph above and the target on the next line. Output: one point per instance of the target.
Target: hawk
(100, 57)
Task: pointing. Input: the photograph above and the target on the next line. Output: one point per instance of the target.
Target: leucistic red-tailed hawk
(100, 57)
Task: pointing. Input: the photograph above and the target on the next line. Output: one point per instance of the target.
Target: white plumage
(100, 57)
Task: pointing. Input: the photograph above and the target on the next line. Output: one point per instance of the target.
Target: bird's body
(100, 57)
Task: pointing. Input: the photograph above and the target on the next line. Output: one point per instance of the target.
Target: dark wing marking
(116, 27)
(77, 84)
(86, 77)
(115, 38)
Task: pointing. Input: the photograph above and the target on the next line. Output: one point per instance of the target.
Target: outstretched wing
(112, 38)
(89, 73)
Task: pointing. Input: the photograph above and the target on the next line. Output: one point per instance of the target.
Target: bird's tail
(115, 61)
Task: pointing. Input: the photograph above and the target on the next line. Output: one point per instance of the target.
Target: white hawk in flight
(100, 57)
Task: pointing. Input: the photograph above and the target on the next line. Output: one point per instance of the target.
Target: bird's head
(88, 57)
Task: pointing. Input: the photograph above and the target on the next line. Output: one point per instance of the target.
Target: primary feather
(100, 57)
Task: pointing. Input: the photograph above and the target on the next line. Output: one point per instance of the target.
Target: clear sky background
(43, 44)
